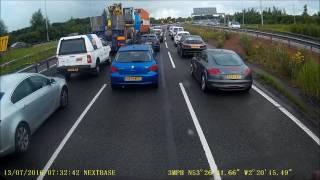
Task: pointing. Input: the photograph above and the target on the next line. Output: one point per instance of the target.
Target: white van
(82, 53)
(234, 24)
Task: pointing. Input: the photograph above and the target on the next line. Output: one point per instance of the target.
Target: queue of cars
(28, 99)
(215, 69)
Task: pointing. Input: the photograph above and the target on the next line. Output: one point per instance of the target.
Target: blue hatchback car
(134, 65)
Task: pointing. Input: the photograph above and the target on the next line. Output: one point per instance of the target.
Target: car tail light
(113, 69)
(247, 71)
(89, 59)
(214, 71)
(153, 68)
(203, 46)
(121, 44)
(185, 46)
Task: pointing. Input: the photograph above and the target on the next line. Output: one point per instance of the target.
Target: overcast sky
(16, 14)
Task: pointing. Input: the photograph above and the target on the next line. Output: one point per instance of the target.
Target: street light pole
(45, 9)
(243, 17)
(261, 12)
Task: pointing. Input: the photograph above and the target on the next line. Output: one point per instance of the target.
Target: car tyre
(204, 86)
(22, 138)
(97, 69)
(64, 98)
(247, 90)
(191, 70)
(181, 53)
(67, 75)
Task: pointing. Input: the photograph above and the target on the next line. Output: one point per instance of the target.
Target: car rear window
(133, 56)
(72, 46)
(225, 59)
(194, 41)
(1, 94)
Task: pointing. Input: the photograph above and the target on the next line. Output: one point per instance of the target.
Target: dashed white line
(287, 113)
(66, 138)
(172, 63)
(166, 44)
(206, 148)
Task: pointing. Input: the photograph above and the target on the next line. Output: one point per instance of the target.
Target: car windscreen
(133, 56)
(225, 59)
(72, 46)
(180, 29)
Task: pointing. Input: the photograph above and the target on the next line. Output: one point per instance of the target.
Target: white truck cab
(81, 53)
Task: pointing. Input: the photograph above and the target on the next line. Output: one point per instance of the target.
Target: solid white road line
(206, 148)
(48, 69)
(53, 65)
(66, 138)
(165, 38)
(287, 113)
(166, 44)
(172, 63)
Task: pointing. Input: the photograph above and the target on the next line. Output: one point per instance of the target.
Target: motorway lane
(139, 132)
(82, 89)
(245, 131)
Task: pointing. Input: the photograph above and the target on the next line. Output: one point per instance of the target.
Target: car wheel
(64, 98)
(191, 70)
(97, 69)
(204, 87)
(247, 89)
(181, 53)
(22, 138)
(67, 75)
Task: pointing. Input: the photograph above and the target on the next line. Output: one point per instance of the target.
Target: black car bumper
(192, 51)
(75, 69)
(229, 84)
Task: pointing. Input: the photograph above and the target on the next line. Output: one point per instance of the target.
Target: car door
(202, 63)
(47, 95)
(27, 101)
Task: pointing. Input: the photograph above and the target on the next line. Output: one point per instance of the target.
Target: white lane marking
(287, 113)
(66, 138)
(172, 63)
(166, 44)
(206, 148)
(165, 38)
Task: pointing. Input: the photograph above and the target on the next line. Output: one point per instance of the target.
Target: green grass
(40, 53)
(269, 80)
(12, 54)
(312, 30)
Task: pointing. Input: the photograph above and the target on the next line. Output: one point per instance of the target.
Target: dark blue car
(134, 65)
(152, 40)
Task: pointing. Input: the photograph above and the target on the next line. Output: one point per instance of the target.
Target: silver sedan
(27, 100)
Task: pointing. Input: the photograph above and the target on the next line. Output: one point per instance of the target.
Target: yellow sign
(3, 43)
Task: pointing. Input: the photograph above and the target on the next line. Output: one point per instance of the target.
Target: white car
(178, 36)
(234, 24)
(26, 101)
(175, 30)
(82, 53)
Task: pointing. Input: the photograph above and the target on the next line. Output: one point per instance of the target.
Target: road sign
(3, 43)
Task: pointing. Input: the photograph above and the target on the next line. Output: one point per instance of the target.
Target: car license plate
(233, 76)
(132, 78)
(148, 42)
(195, 46)
(72, 69)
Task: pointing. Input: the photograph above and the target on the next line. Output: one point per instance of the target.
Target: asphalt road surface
(173, 132)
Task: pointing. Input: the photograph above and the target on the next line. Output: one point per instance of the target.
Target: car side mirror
(194, 58)
(51, 81)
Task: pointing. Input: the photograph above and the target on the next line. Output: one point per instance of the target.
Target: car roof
(135, 47)
(10, 81)
(180, 32)
(193, 37)
(77, 37)
(221, 51)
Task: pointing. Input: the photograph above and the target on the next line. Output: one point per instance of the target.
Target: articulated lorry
(120, 25)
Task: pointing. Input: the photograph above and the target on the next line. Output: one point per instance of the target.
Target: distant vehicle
(213, 23)
(134, 65)
(178, 36)
(175, 30)
(20, 45)
(221, 69)
(152, 40)
(159, 33)
(192, 44)
(234, 24)
(27, 100)
(83, 53)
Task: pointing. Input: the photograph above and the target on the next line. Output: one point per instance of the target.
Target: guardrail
(40, 66)
(290, 39)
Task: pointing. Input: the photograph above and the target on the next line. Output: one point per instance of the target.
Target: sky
(16, 14)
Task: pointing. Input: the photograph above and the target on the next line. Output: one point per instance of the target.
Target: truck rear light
(185, 46)
(214, 71)
(247, 71)
(153, 68)
(113, 69)
(203, 46)
(89, 59)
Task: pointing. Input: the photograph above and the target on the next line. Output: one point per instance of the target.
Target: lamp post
(45, 9)
(261, 12)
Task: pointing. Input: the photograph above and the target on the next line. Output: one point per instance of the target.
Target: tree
(305, 10)
(3, 28)
(37, 21)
